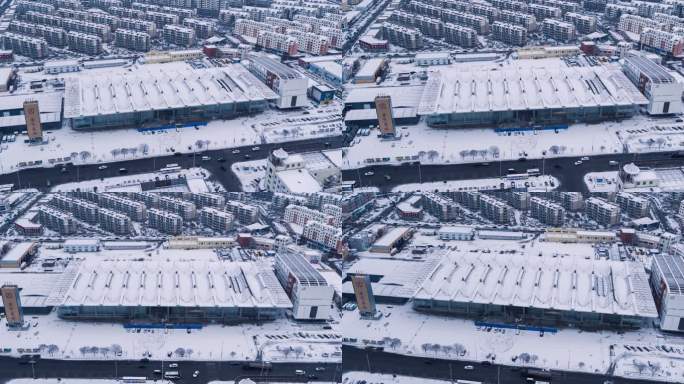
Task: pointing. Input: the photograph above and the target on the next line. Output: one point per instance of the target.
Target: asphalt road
(43, 178)
(355, 359)
(563, 168)
(11, 368)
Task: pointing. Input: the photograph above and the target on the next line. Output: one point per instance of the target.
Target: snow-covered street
(569, 349)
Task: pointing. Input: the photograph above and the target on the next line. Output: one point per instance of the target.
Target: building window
(314, 311)
(666, 107)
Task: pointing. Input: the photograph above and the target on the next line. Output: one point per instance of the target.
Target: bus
(171, 375)
(171, 168)
(134, 379)
(533, 172)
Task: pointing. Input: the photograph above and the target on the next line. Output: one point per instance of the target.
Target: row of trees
(456, 348)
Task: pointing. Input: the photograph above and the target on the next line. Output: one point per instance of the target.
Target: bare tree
(298, 351)
(52, 349)
(116, 349)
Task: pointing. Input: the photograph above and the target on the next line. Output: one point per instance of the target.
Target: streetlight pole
(420, 175)
(368, 362)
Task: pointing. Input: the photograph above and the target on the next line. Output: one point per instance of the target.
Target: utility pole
(420, 175)
(368, 362)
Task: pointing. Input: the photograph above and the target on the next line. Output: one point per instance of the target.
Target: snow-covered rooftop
(526, 87)
(299, 181)
(163, 88)
(671, 269)
(570, 284)
(172, 283)
(404, 96)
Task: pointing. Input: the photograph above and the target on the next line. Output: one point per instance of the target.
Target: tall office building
(365, 301)
(32, 116)
(12, 305)
(383, 108)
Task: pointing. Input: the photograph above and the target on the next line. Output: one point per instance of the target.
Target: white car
(195, 374)
(235, 151)
(578, 162)
(468, 367)
(173, 365)
(585, 158)
(255, 149)
(101, 167)
(369, 173)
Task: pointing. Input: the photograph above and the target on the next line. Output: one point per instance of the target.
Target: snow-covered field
(90, 340)
(197, 181)
(441, 146)
(536, 184)
(379, 378)
(569, 349)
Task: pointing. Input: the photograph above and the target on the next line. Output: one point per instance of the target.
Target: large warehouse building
(173, 291)
(163, 96)
(546, 290)
(525, 92)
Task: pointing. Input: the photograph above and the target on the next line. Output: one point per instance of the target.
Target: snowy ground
(378, 378)
(439, 146)
(536, 184)
(569, 349)
(669, 180)
(197, 181)
(213, 342)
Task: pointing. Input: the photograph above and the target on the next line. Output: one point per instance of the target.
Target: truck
(261, 365)
(171, 375)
